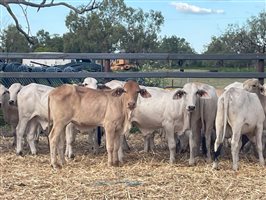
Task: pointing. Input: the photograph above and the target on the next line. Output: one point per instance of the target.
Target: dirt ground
(143, 176)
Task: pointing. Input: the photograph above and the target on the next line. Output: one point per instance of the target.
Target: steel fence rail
(137, 56)
(132, 74)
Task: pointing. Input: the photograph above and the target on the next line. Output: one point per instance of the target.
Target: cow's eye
(253, 85)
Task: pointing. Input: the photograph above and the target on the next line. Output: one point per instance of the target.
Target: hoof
(215, 166)
(116, 164)
(72, 156)
(96, 152)
(56, 166)
(191, 163)
(19, 153)
(209, 160)
(172, 161)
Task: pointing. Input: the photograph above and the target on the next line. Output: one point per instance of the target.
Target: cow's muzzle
(191, 108)
(131, 105)
(11, 102)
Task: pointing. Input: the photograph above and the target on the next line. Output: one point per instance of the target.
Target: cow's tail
(226, 103)
(202, 103)
(49, 121)
(221, 120)
(202, 132)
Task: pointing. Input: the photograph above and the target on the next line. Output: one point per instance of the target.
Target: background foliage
(114, 26)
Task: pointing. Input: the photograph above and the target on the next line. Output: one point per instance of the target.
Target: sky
(195, 20)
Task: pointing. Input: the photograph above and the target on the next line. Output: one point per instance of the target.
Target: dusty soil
(143, 176)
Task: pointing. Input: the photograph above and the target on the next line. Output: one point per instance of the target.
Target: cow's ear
(262, 90)
(179, 94)
(118, 92)
(103, 87)
(203, 94)
(144, 93)
(81, 84)
(6, 92)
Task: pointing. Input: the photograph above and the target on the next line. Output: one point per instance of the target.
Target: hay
(143, 176)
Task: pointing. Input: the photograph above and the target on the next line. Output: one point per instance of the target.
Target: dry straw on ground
(143, 176)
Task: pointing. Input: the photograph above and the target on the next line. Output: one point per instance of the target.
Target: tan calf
(89, 108)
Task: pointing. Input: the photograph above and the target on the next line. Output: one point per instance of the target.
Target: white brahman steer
(32, 106)
(33, 114)
(10, 113)
(201, 103)
(89, 108)
(90, 82)
(166, 109)
(14, 89)
(158, 112)
(254, 86)
(234, 85)
(242, 111)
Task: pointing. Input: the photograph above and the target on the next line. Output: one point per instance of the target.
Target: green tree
(31, 4)
(113, 26)
(48, 43)
(173, 44)
(142, 30)
(13, 41)
(249, 38)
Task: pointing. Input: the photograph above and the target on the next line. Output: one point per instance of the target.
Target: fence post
(107, 65)
(260, 68)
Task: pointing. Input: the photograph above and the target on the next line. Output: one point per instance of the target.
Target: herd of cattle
(196, 111)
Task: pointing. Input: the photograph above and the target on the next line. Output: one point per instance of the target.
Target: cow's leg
(194, 142)
(146, 142)
(208, 142)
(60, 149)
(259, 131)
(37, 134)
(20, 130)
(235, 147)
(151, 141)
(95, 138)
(123, 146)
(122, 139)
(110, 136)
(171, 142)
(192, 146)
(13, 130)
(31, 137)
(117, 136)
(263, 142)
(121, 149)
(183, 142)
(70, 139)
(54, 138)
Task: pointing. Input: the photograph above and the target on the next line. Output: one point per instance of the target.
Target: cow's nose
(191, 108)
(11, 102)
(131, 105)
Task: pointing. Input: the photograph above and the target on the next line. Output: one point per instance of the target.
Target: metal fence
(57, 78)
(106, 57)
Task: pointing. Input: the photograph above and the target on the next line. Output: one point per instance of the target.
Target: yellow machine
(121, 64)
